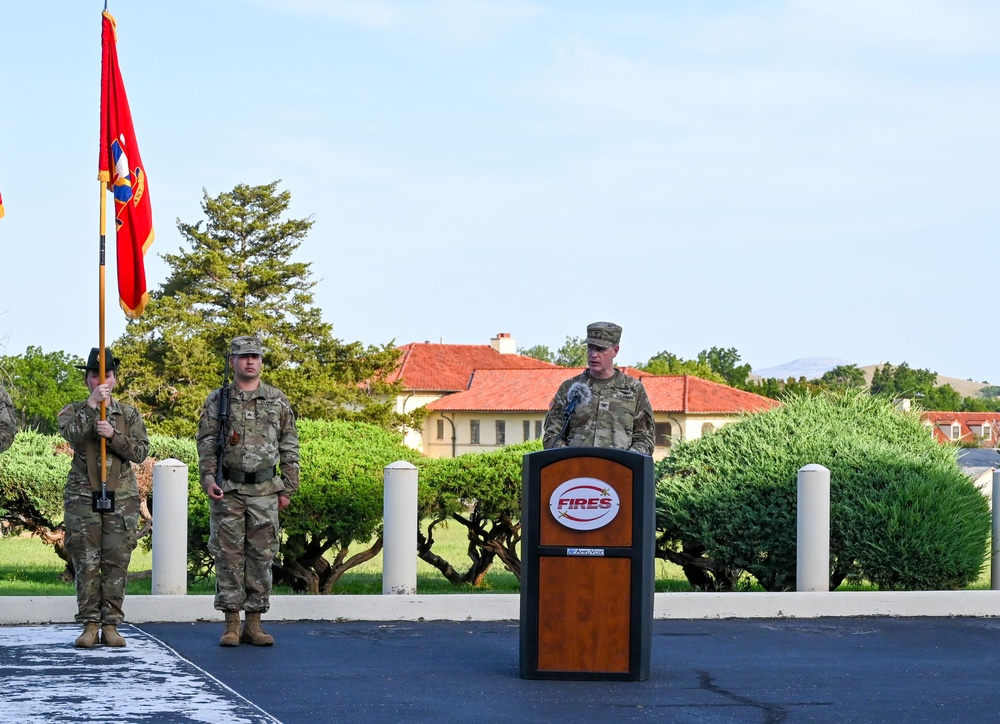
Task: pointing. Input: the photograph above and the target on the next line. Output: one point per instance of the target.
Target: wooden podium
(587, 519)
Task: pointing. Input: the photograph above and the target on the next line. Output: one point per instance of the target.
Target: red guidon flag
(121, 167)
(1, 207)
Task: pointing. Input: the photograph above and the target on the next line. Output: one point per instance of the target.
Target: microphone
(578, 392)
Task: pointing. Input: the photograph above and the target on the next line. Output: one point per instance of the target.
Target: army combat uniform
(617, 415)
(8, 424)
(100, 545)
(244, 537)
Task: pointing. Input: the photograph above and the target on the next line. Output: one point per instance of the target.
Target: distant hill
(812, 368)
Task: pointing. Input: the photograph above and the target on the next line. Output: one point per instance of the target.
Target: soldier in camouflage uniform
(8, 425)
(100, 544)
(610, 409)
(260, 473)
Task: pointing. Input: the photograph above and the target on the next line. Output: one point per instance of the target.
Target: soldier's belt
(258, 476)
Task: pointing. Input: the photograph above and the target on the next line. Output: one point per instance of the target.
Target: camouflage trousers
(244, 541)
(100, 547)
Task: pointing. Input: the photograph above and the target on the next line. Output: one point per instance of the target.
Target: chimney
(504, 343)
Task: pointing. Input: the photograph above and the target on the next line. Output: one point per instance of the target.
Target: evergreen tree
(236, 277)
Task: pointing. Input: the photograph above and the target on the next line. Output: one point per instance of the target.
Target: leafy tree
(573, 353)
(944, 397)
(843, 377)
(989, 391)
(539, 352)
(778, 389)
(666, 363)
(902, 514)
(726, 363)
(237, 277)
(978, 404)
(40, 384)
(902, 381)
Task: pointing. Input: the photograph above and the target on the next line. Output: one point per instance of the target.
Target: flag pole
(100, 305)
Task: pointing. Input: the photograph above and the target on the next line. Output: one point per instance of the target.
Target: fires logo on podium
(584, 503)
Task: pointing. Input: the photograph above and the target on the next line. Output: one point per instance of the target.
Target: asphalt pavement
(771, 670)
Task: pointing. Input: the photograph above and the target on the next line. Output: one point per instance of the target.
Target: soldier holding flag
(102, 496)
(100, 541)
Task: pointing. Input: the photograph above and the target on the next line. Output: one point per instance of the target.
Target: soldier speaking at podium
(602, 407)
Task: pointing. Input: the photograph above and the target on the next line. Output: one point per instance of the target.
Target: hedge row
(902, 514)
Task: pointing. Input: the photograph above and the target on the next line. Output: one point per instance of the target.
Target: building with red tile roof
(479, 398)
(444, 368)
(429, 371)
(967, 428)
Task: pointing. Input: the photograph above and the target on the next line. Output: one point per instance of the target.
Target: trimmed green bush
(32, 478)
(482, 492)
(339, 502)
(902, 516)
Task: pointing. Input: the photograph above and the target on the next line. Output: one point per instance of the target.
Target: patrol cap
(94, 361)
(247, 345)
(603, 334)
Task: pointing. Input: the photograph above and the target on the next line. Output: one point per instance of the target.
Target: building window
(474, 432)
(527, 430)
(538, 429)
(663, 431)
(987, 431)
(501, 432)
(440, 429)
(707, 429)
(956, 432)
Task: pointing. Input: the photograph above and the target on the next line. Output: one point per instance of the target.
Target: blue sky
(792, 179)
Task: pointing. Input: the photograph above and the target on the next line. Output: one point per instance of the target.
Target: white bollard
(399, 539)
(170, 515)
(812, 572)
(995, 545)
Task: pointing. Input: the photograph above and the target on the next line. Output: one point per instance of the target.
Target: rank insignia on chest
(251, 415)
(234, 438)
(604, 405)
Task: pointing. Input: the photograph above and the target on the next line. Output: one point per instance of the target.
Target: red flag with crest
(121, 167)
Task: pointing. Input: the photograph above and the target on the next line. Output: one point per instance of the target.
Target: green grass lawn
(29, 567)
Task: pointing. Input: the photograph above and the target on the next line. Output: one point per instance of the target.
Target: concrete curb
(22, 610)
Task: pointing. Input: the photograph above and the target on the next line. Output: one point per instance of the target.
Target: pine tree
(235, 277)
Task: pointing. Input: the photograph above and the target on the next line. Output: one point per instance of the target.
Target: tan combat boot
(88, 639)
(231, 636)
(253, 633)
(111, 637)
